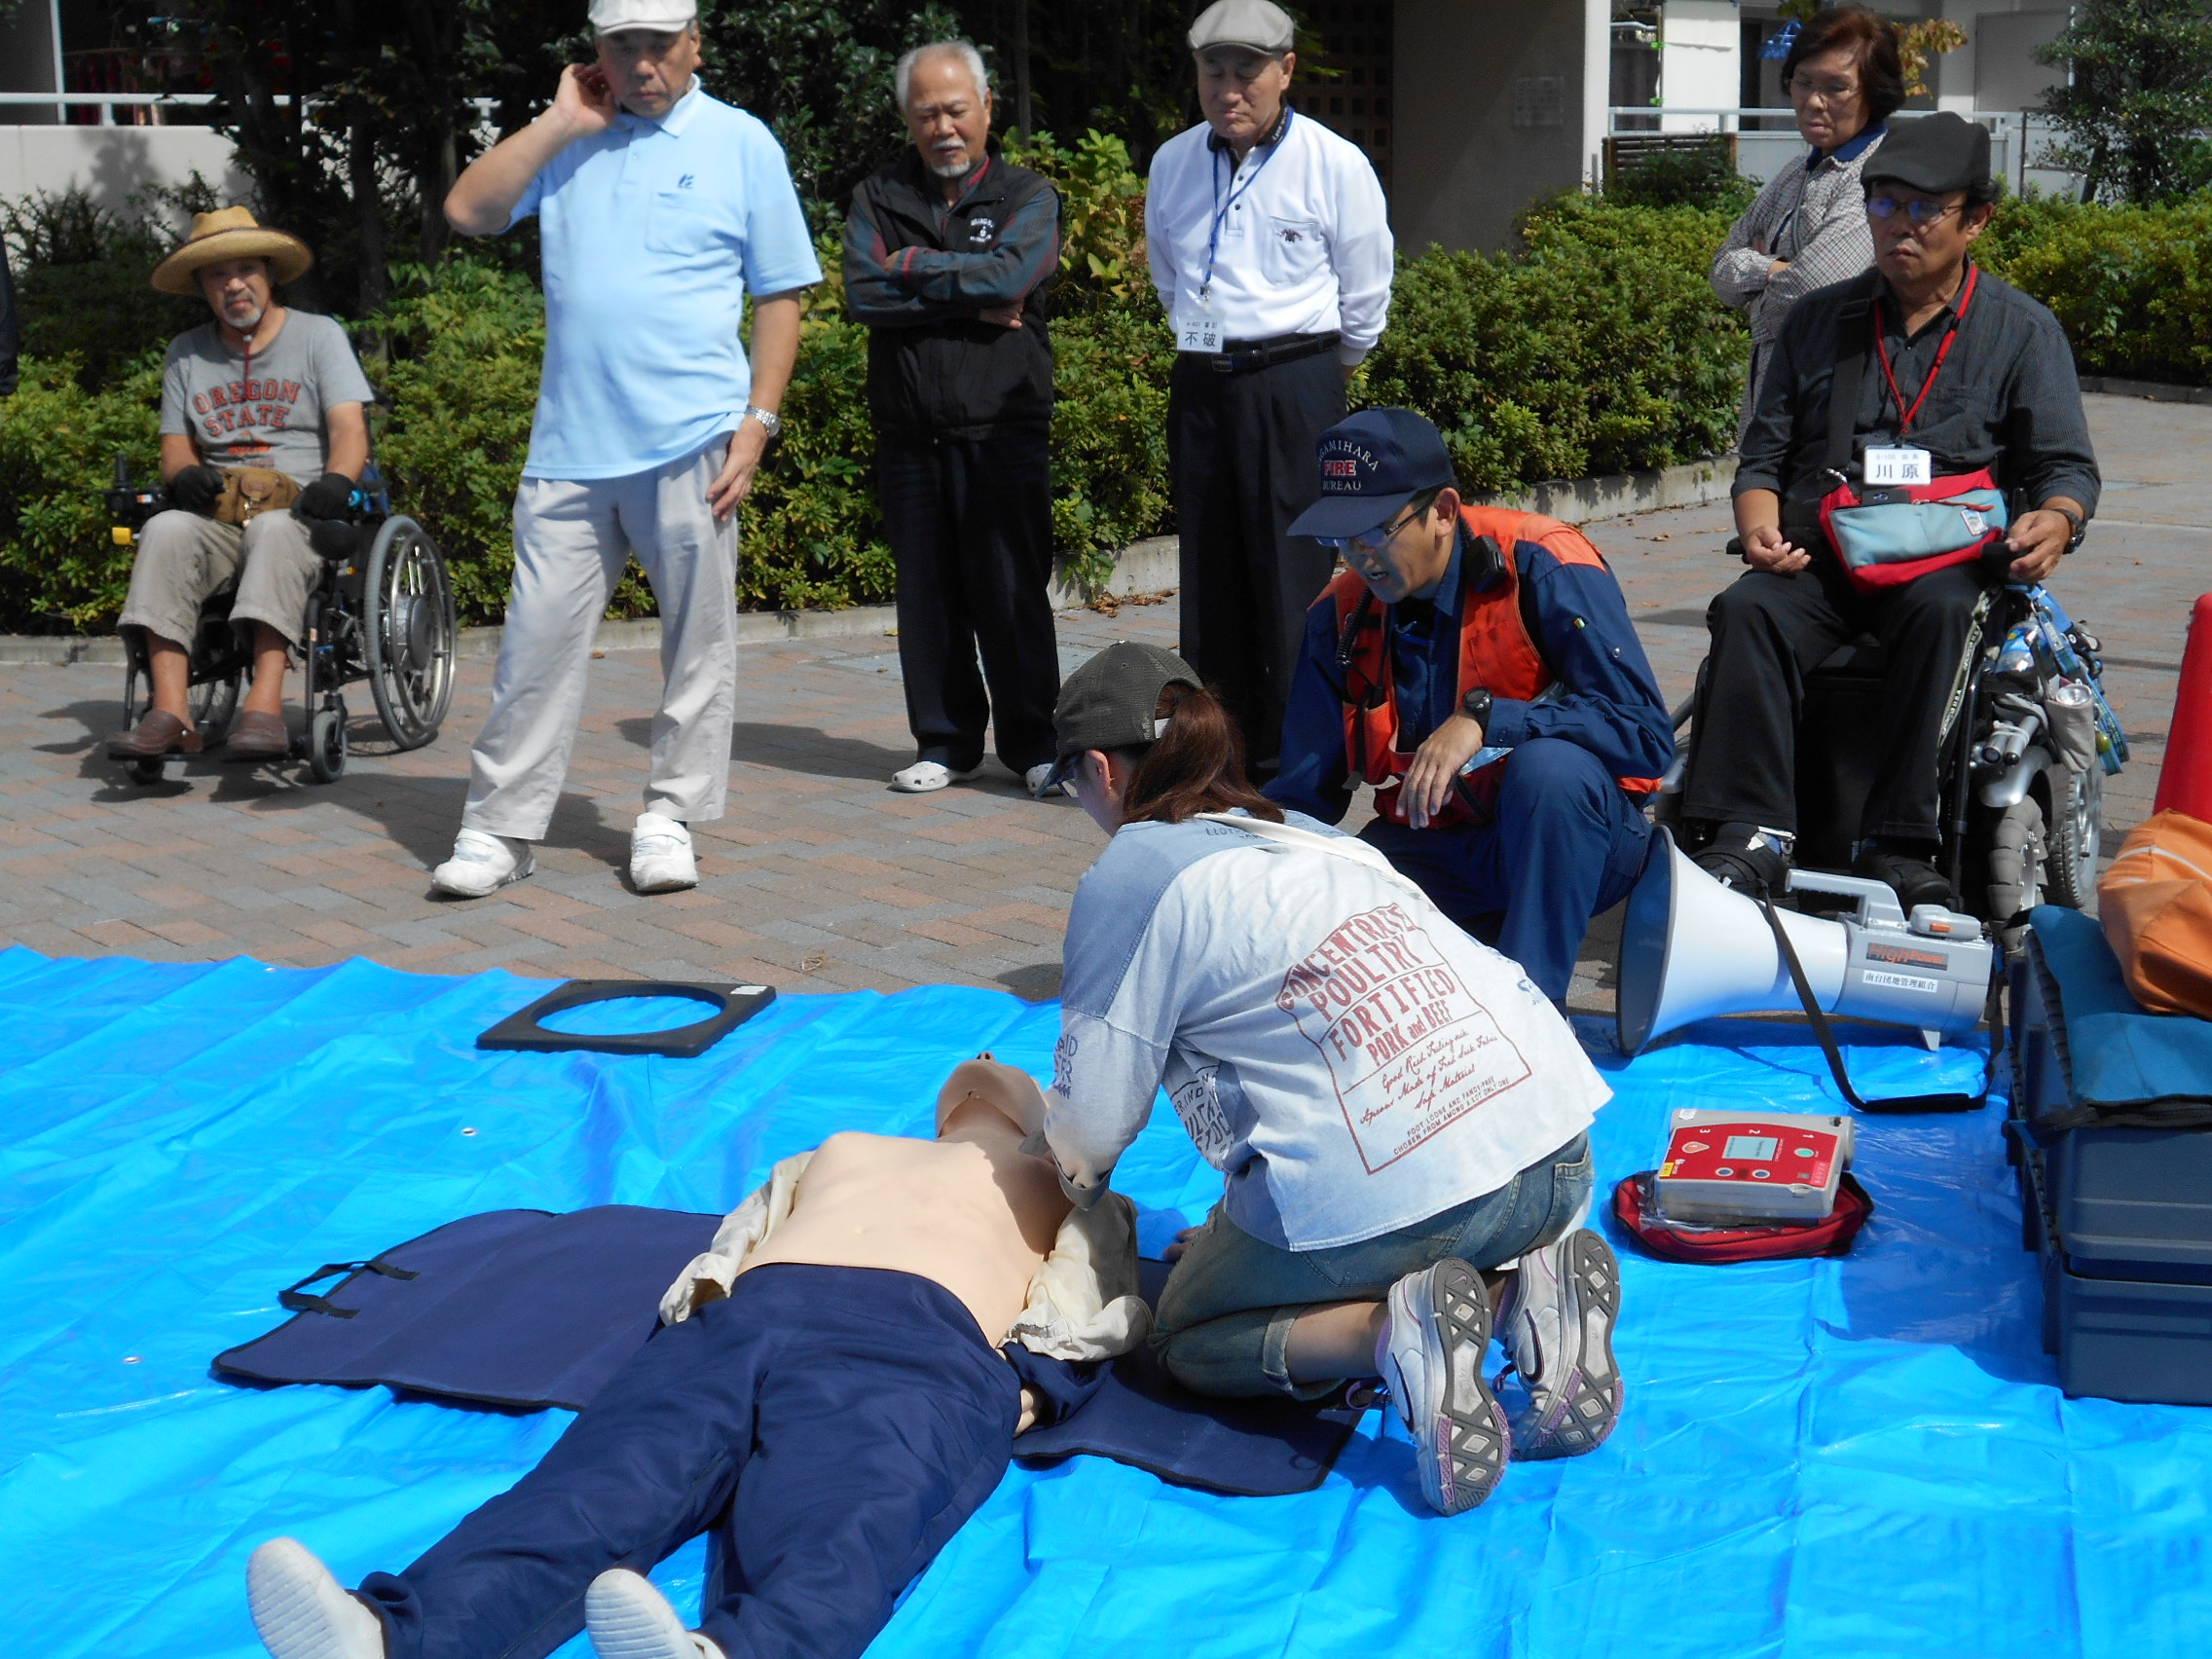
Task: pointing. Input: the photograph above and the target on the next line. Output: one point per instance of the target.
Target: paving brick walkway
(820, 879)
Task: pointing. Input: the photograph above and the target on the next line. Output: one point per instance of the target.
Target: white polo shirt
(653, 232)
(1305, 243)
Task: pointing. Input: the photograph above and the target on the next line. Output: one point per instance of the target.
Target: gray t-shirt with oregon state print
(269, 413)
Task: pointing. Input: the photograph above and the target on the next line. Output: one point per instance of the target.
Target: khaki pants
(183, 559)
(572, 541)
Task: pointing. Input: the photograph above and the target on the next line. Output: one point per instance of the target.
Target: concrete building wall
(1499, 102)
(110, 163)
(1699, 60)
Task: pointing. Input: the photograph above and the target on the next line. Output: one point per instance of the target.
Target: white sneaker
(924, 777)
(629, 1619)
(482, 863)
(1430, 1356)
(302, 1612)
(1558, 1333)
(660, 855)
(1038, 782)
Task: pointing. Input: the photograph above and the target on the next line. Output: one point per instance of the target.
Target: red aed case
(1725, 1166)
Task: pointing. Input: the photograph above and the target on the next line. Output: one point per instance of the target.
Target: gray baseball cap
(1259, 24)
(1108, 702)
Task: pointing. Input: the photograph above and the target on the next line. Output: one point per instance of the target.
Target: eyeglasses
(1821, 91)
(1369, 543)
(1920, 211)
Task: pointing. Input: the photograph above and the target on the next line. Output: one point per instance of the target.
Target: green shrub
(1700, 175)
(1595, 347)
(60, 571)
(2132, 286)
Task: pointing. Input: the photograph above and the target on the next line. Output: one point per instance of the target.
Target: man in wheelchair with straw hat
(263, 429)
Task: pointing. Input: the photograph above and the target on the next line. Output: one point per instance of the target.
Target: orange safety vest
(1495, 653)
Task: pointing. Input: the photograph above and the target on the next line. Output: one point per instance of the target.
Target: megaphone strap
(1896, 1103)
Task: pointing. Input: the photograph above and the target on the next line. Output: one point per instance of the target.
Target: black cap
(1937, 153)
(1372, 466)
(1108, 702)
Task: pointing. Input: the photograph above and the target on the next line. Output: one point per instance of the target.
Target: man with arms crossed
(1271, 248)
(660, 210)
(825, 1398)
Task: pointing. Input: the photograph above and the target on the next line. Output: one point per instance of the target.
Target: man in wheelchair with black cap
(1952, 457)
(263, 433)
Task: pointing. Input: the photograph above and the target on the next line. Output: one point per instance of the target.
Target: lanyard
(1221, 208)
(1950, 334)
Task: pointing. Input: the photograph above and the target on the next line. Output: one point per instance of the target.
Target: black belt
(1242, 357)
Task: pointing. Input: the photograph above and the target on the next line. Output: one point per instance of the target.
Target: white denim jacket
(1082, 1303)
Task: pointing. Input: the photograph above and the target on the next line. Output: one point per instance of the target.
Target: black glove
(327, 498)
(194, 489)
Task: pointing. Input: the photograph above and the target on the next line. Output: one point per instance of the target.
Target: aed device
(1726, 1167)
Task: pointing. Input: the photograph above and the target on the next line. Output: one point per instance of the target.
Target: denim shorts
(1225, 1315)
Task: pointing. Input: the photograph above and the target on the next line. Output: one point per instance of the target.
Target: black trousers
(1768, 633)
(969, 523)
(1240, 450)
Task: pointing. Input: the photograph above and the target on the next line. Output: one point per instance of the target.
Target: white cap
(1258, 24)
(608, 16)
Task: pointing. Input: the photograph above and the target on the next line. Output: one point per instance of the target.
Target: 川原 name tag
(1898, 465)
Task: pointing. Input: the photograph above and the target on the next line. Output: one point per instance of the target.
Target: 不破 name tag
(1196, 329)
(1900, 466)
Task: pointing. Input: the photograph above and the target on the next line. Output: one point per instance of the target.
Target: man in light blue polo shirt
(660, 208)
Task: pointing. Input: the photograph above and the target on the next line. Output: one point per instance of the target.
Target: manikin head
(1012, 1094)
(945, 98)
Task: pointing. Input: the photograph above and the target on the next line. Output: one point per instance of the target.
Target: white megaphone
(1691, 948)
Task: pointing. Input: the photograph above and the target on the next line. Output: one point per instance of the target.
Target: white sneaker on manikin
(482, 863)
(926, 776)
(629, 1619)
(660, 855)
(1430, 1357)
(301, 1613)
(1557, 1335)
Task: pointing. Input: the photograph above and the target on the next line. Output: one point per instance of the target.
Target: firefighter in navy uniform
(1478, 667)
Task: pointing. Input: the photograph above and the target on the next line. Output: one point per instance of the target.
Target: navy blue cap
(1371, 467)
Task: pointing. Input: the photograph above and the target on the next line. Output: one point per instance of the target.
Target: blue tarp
(1839, 1457)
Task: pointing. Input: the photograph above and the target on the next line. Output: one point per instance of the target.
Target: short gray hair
(903, 76)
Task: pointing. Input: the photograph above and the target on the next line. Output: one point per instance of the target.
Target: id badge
(1196, 329)
(1900, 466)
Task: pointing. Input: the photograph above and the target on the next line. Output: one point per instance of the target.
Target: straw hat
(230, 233)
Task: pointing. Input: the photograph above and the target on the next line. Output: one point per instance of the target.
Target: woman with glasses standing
(1808, 227)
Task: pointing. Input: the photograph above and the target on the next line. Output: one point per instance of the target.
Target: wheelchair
(382, 610)
(2022, 765)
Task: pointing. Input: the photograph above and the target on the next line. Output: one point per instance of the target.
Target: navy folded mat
(525, 1309)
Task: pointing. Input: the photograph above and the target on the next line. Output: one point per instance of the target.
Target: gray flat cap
(1259, 24)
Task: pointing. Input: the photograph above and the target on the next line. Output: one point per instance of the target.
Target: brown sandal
(160, 733)
(258, 737)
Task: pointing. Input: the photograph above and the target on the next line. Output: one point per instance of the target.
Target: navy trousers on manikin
(1566, 845)
(833, 1426)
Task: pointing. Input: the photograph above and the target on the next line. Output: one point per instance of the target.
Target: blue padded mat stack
(1855, 1458)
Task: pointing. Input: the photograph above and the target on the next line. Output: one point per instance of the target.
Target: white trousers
(573, 539)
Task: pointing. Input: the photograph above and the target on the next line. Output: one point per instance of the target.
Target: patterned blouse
(1811, 213)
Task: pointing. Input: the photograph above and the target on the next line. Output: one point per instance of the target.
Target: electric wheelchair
(2024, 760)
(383, 610)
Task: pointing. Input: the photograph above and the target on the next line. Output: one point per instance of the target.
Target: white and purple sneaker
(1558, 1334)
(1430, 1356)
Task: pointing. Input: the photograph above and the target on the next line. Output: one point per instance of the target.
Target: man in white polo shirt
(1271, 248)
(660, 209)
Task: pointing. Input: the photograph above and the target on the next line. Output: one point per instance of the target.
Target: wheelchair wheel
(408, 632)
(326, 745)
(2076, 827)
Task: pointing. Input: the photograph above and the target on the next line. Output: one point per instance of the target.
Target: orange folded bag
(2156, 903)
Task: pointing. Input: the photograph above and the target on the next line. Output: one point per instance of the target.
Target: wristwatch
(1475, 704)
(769, 422)
(2080, 525)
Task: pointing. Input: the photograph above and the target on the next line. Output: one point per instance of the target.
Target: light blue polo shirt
(653, 231)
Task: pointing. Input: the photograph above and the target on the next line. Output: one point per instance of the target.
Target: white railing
(1768, 137)
(107, 104)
